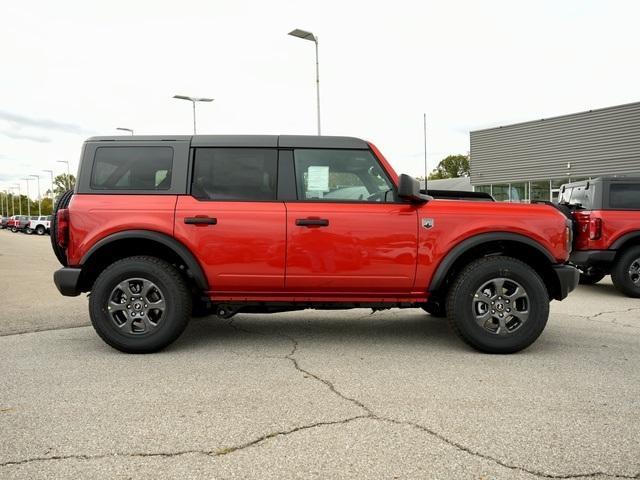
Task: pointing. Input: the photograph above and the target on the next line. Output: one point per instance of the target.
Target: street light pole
(39, 196)
(52, 195)
(193, 101)
(13, 201)
(125, 129)
(311, 37)
(68, 182)
(28, 198)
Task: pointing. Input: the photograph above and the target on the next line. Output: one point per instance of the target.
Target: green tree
(62, 183)
(452, 166)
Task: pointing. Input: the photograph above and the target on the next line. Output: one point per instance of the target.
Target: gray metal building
(530, 160)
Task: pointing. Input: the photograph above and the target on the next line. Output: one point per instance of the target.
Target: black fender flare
(624, 239)
(456, 252)
(179, 249)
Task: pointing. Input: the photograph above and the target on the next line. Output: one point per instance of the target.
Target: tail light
(62, 227)
(595, 228)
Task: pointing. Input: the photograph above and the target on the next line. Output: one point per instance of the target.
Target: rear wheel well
(631, 242)
(129, 247)
(510, 248)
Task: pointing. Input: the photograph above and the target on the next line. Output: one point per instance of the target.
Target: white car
(40, 225)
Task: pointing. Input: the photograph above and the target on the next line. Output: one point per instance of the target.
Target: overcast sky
(71, 69)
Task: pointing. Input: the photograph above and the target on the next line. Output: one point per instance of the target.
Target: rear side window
(243, 174)
(132, 168)
(624, 195)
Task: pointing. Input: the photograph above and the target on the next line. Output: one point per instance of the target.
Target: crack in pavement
(369, 415)
(614, 321)
(211, 453)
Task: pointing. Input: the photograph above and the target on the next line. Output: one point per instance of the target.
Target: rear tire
(63, 202)
(519, 311)
(40, 230)
(588, 278)
(28, 231)
(140, 304)
(626, 272)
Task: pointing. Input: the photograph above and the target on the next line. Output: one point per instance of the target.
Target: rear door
(233, 222)
(346, 233)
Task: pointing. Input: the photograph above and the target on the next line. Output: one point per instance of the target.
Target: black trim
(624, 239)
(568, 278)
(183, 252)
(67, 280)
(200, 221)
(456, 252)
(312, 222)
(286, 176)
(592, 258)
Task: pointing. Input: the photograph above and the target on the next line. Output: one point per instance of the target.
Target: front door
(347, 233)
(233, 222)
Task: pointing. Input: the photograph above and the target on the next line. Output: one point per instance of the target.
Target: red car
(607, 241)
(160, 227)
(17, 222)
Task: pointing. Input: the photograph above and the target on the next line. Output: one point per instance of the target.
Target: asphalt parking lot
(313, 394)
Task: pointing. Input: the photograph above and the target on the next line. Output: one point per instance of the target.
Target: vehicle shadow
(406, 328)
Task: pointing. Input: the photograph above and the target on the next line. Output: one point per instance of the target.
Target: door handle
(312, 222)
(200, 220)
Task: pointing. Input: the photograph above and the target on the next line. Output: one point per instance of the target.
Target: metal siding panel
(599, 142)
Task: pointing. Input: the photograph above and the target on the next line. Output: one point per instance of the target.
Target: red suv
(607, 241)
(160, 227)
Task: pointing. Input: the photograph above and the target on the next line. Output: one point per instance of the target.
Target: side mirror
(409, 190)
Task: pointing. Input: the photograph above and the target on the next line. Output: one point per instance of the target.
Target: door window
(241, 174)
(341, 175)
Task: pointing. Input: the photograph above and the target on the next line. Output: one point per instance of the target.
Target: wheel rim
(136, 306)
(501, 306)
(634, 272)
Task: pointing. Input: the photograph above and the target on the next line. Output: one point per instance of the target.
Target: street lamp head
(303, 34)
(193, 99)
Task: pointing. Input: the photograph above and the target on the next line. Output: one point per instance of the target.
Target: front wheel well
(116, 250)
(510, 248)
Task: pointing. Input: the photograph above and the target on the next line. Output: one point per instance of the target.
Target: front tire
(626, 272)
(40, 230)
(140, 304)
(498, 305)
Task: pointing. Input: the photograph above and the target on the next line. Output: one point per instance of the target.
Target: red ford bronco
(159, 228)
(607, 240)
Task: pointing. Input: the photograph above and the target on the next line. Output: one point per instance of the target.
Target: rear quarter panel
(615, 224)
(94, 217)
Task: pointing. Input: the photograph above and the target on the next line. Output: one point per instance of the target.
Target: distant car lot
(312, 394)
(38, 224)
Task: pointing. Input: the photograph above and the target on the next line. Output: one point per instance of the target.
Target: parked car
(607, 241)
(3, 222)
(17, 222)
(21, 223)
(39, 225)
(160, 227)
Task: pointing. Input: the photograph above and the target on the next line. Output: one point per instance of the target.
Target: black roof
(286, 141)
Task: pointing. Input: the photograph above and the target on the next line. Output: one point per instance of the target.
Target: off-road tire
(620, 272)
(590, 278)
(176, 294)
(63, 202)
(40, 230)
(460, 303)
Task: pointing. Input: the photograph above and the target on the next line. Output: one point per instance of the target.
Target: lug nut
(493, 303)
(493, 311)
(501, 315)
(128, 306)
(146, 306)
(508, 309)
(133, 314)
